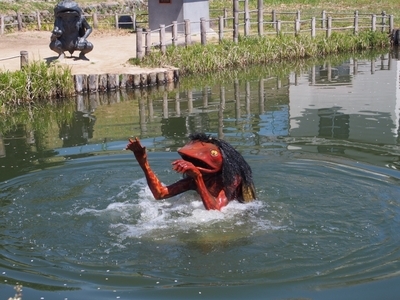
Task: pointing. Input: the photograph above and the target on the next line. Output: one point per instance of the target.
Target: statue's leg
(86, 49)
(57, 47)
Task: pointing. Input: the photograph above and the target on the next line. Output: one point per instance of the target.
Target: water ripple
(323, 222)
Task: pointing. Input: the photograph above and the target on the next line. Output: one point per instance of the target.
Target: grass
(248, 51)
(29, 6)
(36, 83)
(311, 7)
(390, 6)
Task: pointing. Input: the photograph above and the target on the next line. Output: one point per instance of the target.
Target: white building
(166, 11)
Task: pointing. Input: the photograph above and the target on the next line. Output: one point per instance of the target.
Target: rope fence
(23, 56)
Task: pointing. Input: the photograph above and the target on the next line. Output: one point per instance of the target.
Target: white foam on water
(141, 215)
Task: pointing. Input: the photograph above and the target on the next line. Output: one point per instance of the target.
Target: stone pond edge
(92, 83)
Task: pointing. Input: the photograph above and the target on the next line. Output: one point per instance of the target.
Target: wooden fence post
(116, 21)
(298, 15)
(383, 21)
(112, 82)
(356, 22)
(174, 33)
(39, 23)
(80, 82)
(273, 13)
(139, 41)
(225, 17)
(24, 59)
(391, 23)
(95, 21)
(19, 21)
(313, 27)
(235, 21)
(147, 47)
(203, 31)
(373, 22)
(134, 21)
(323, 19)
(1, 24)
(221, 28)
(188, 37)
(246, 18)
(260, 18)
(297, 27)
(93, 83)
(278, 27)
(329, 27)
(163, 46)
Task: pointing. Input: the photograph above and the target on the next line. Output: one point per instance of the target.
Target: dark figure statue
(395, 37)
(70, 30)
(211, 166)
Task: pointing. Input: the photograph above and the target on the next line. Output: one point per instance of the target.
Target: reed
(279, 70)
(36, 82)
(249, 51)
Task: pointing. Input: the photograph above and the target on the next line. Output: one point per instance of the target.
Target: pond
(78, 221)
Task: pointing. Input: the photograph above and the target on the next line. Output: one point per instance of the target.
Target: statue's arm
(159, 190)
(88, 28)
(210, 201)
(57, 31)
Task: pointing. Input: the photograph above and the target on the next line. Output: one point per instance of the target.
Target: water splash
(141, 216)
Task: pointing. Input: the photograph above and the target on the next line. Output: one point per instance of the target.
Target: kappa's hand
(57, 32)
(137, 148)
(185, 167)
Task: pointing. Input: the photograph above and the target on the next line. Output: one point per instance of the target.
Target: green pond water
(77, 220)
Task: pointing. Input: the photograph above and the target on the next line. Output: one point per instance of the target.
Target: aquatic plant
(248, 51)
(36, 82)
(280, 69)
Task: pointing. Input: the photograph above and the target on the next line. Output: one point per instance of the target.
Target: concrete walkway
(112, 50)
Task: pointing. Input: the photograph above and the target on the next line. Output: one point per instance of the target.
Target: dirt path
(111, 52)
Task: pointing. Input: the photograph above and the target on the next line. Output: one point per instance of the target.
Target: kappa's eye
(214, 152)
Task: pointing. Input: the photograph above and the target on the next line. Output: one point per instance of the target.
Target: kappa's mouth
(68, 11)
(197, 162)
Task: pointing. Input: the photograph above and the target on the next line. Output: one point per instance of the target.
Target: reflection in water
(333, 124)
(78, 132)
(368, 105)
(346, 102)
(22, 151)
